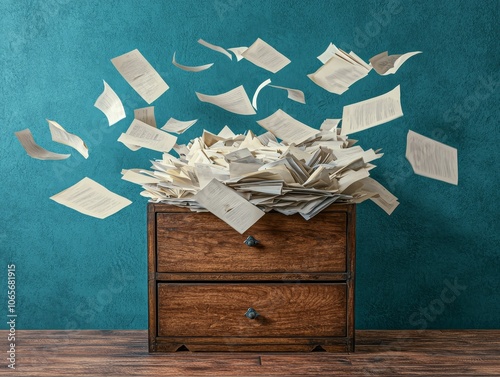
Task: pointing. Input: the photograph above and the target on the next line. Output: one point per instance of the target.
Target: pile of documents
(240, 177)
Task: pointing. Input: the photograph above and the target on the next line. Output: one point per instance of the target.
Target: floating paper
(197, 68)
(60, 135)
(34, 150)
(110, 104)
(141, 75)
(265, 56)
(235, 101)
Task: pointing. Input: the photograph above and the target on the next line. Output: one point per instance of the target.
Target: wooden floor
(378, 353)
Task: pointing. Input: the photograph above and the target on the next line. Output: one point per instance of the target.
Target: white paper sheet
(26, 139)
(330, 51)
(110, 104)
(237, 51)
(235, 101)
(431, 158)
(90, 198)
(372, 112)
(265, 56)
(385, 64)
(215, 48)
(197, 68)
(286, 128)
(228, 206)
(146, 115)
(178, 126)
(293, 94)
(226, 133)
(143, 135)
(135, 176)
(60, 135)
(330, 125)
(141, 75)
(256, 94)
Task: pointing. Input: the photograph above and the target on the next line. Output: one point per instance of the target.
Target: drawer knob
(251, 313)
(250, 241)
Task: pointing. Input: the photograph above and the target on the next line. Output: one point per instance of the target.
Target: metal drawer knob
(250, 241)
(251, 313)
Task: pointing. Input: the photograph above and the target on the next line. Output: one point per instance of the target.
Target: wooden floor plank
(378, 353)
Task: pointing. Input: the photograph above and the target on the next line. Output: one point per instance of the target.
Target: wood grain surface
(200, 242)
(378, 353)
(218, 310)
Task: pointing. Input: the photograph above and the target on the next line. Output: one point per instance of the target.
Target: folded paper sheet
(143, 135)
(110, 104)
(90, 198)
(146, 115)
(215, 48)
(287, 128)
(60, 135)
(26, 139)
(178, 126)
(197, 68)
(235, 101)
(385, 64)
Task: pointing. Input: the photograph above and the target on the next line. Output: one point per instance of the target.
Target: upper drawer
(218, 310)
(200, 242)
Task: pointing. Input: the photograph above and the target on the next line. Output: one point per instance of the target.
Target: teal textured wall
(75, 271)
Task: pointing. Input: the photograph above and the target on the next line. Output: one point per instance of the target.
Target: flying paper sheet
(215, 48)
(143, 135)
(178, 126)
(431, 158)
(60, 135)
(339, 73)
(109, 103)
(256, 94)
(293, 94)
(90, 198)
(237, 51)
(228, 206)
(235, 101)
(146, 115)
(141, 75)
(372, 112)
(197, 68)
(330, 125)
(328, 53)
(385, 64)
(265, 56)
(34, 150)
(287, 128)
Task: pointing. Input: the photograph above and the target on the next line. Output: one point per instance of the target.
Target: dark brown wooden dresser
(287, 284)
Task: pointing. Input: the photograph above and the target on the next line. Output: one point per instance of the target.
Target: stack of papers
(240, 177)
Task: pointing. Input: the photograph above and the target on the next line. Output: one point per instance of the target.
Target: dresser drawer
(202, 243)
(218, 310)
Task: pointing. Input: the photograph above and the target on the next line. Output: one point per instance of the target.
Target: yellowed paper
(235, 101)
(60, 135)
(372, 112)
(228, 206)
(431, 158)
(110, 104)
(197, 68)
(141, 75)
(34, 150)
(143, 135)
(286, 128)
(265, 56)
(90, 198)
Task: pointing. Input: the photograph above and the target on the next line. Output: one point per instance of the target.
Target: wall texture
(75, 271)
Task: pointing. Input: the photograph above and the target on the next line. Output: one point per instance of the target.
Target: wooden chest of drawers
(210, 291)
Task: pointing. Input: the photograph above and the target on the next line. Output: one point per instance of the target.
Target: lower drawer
(285, 310)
